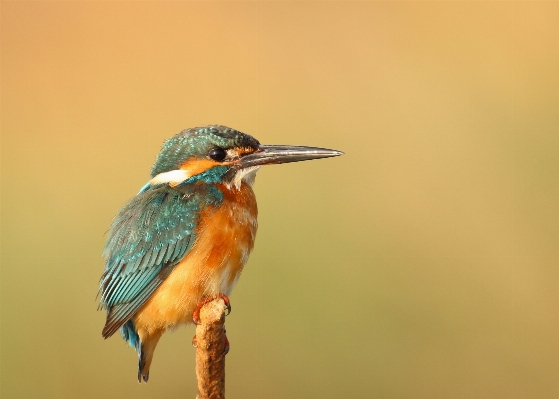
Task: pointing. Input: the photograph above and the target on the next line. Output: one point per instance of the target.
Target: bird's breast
(224, 238)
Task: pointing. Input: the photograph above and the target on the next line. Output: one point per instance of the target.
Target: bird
(187, 234)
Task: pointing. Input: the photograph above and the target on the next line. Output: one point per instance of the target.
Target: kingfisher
(187, 234)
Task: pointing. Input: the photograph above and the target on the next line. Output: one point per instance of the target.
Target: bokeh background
(424, 263)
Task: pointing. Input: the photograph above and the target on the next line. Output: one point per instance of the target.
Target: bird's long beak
(273, 154)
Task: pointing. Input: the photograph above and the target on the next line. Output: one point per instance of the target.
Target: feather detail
(148, 238)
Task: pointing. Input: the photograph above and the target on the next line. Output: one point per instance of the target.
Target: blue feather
(155, 230)
(144, 188)
(130, 334)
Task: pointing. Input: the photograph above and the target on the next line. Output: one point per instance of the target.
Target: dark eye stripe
(217, 154)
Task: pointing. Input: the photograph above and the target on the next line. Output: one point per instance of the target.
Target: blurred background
(421, 264)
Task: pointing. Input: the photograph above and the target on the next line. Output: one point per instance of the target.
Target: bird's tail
(144, 344)
(145, 354)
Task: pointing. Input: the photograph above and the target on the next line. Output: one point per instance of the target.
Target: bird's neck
(246, 175)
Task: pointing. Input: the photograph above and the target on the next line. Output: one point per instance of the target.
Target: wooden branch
(210, 350)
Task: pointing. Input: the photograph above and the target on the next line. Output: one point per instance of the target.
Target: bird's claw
(196, 313)
(227, 303)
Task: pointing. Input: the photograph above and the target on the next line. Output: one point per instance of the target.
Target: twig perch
(210, 350)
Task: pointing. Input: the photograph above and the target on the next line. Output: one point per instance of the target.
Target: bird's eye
(217, 154)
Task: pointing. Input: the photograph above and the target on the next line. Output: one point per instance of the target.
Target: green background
(421, 264)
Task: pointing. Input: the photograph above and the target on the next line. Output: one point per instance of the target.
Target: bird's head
(219, 154)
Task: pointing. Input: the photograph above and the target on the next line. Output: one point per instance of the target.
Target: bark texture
(210, 350)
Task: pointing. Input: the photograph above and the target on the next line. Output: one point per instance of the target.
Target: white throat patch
(247, 175)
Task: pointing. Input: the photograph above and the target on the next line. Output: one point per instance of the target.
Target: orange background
(421, 264)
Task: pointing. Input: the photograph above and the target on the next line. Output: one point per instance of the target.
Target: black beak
(272, 154)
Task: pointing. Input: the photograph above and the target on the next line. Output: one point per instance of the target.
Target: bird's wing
(148, 237)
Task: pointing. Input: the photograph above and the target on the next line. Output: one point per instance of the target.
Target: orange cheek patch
(194, 167)
(243, 150)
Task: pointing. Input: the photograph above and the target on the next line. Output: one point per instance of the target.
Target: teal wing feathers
(148, 238)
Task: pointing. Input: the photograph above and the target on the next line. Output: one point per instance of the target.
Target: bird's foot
(196, 314)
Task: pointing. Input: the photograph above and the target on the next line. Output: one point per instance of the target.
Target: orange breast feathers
(225, 237)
